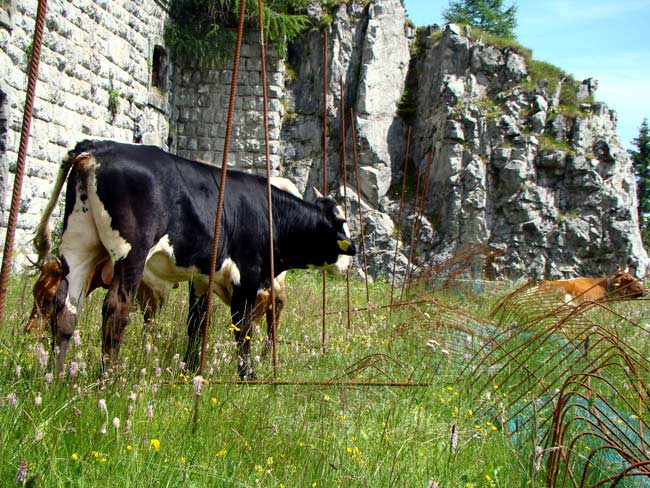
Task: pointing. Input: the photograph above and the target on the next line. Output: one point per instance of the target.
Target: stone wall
(96, 55)
(201, 103)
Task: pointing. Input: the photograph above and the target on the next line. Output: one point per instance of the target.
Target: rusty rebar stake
(7, 257)
(399, 221)
(222, 192)
(267, 154)
(353, 135)
(345, 185)
(325, 189)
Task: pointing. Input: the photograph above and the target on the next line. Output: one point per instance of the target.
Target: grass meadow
(477, 375)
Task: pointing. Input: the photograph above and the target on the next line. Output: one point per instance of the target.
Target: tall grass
(265, 435)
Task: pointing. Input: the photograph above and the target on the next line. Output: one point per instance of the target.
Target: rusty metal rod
(267, 153)
(415, 207)
(399, 221)
(345, 185)
(222, 192)
(299, 383)
(358, 186)
(325, 189)
(416, 224)
(32, 78)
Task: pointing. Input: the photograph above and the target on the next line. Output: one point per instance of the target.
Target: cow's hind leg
(115, 311)
(195, 326)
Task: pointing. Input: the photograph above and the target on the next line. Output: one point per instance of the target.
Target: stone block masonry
(94, 81)
(202, 98)
(105, 73)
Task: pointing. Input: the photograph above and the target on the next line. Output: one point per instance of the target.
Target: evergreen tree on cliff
(641, 164)
(488, 15)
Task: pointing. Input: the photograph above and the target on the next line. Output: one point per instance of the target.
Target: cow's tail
(43, 234)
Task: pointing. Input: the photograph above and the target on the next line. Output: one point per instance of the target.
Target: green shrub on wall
(202, 30)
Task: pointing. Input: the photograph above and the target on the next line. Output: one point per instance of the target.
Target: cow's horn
(32, 264)
(318, 194)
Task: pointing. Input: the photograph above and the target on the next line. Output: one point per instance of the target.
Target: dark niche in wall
(159, 68)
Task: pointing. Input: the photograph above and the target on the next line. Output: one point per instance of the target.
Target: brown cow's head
(626, 285)
(44, 290)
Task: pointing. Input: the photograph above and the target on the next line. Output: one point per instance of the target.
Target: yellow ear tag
(344, 245)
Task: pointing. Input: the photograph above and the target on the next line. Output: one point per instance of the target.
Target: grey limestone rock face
(551, 190)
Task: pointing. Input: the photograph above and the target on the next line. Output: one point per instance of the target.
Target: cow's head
(44, 290)
(626, 285)
(338, 247)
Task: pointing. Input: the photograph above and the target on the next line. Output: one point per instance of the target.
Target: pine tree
(641, 164)
(488, 15)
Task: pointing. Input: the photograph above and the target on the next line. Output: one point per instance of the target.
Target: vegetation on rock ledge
(202, 30)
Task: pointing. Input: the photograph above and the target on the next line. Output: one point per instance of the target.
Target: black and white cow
(152, 214)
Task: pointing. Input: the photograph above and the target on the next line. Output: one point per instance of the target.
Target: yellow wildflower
(154, 444)
(183, 460)
(221, 453)
(214, 401)
(259, 469)
(74, 456)
(129, 448)
(233, 327)
(269, 460)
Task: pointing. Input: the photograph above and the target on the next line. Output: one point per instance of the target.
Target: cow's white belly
(161, 273)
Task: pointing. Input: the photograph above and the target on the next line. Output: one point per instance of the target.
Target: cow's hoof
(247, 375)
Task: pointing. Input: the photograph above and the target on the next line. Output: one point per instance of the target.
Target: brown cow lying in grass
(620, 285)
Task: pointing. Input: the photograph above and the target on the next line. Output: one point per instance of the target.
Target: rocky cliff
(525, 161)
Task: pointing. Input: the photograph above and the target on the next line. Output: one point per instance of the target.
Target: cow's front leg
(116, 307)
(195, 326)
(241, 308)
(63, 322)
(271, 328)
(68, 302)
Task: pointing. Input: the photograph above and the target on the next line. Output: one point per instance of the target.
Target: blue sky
(604, 39)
